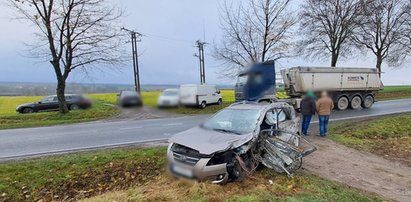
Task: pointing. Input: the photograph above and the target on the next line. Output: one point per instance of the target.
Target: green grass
(394, 92)
(9, 118)
(64, 175)
(389, 136)
(139, 175)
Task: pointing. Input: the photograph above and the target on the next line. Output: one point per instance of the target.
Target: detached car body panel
(233, 142)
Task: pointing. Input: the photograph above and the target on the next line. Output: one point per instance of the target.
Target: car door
(46, 103)
(210, 95)
(214, 95)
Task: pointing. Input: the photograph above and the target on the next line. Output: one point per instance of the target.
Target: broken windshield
(237, 121)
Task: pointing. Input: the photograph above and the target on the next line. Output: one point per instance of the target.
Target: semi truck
(348, 87)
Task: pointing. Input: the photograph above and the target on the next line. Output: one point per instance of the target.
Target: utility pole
(200, 46)
(135, 37)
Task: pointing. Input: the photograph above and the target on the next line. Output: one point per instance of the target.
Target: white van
(199, 95)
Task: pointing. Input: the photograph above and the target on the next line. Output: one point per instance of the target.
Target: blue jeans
(323, 125)
(306, 124)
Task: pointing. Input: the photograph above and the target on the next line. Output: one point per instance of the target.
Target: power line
(168, 38)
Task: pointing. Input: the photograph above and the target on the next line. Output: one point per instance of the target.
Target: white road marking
(131, 128)
(173, 124)
(76, 132)
(63, 151)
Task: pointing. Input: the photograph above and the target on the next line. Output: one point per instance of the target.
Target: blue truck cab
(257, 83)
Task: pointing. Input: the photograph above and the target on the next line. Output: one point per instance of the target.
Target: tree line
(260, 30)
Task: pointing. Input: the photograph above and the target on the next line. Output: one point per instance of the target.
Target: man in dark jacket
(308, 109)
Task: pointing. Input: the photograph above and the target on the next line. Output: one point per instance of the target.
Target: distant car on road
(129, 99)
(50, 103)
(199, 95)
(169, 98)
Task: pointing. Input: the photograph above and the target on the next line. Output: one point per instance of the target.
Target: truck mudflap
(284, 155)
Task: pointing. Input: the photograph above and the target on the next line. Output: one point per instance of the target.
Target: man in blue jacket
(307, 110)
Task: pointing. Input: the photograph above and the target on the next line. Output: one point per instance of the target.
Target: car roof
(64, 95)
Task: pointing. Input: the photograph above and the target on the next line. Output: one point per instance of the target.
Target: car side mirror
(39, 102)
(218, 92)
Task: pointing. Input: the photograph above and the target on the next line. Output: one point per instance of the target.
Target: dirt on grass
(359, 169)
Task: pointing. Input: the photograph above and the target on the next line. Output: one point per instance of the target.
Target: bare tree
(381, 29)
(255, 32)
(74, 34)
(326, 28)
(406, 34)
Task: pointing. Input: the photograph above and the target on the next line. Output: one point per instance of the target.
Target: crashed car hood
(208, 141)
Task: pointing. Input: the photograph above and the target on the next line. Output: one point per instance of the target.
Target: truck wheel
(355, 102)
(342, 103)
(367, 102)
(203, 105)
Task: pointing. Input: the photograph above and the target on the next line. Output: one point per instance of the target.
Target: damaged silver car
(232, 143)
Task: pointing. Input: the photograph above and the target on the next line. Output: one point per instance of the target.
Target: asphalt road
(29, 142)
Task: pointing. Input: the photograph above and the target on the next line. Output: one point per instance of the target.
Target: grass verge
(388, 136)
(394, 92)
(139, 175)
(9, 118)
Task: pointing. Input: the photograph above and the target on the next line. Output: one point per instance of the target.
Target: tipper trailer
(348, 87)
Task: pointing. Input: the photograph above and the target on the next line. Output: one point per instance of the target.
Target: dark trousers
(323, 125)
(306, 124)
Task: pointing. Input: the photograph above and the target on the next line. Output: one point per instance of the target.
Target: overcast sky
(171, 28)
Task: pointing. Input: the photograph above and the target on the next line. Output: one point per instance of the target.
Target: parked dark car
(129, 99)
(50, 103)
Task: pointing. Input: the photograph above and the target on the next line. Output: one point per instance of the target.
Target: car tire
(74, 107)
(220, 102)
(203, 105)
(237, 173)
(367, 102)
(342, 103)
(28, 110)
(356, 102)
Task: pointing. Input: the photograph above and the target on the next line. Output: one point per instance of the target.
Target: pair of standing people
(309, 107)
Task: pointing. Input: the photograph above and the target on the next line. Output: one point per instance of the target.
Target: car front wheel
(220, 101)
(28, 110)
(203, 105)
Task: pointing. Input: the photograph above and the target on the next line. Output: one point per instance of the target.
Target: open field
(394, 92)
(389, 137)
(139, 175)
(9, 118)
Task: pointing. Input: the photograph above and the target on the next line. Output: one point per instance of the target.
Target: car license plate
(183, 171)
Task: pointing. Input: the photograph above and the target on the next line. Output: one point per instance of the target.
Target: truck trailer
(348, 87)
